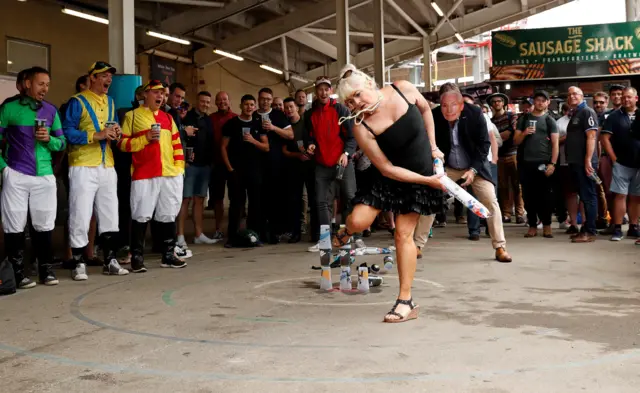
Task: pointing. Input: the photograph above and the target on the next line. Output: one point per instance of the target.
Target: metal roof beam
(314, 43)
(304, 16)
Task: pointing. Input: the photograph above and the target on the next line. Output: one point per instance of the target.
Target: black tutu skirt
(400, 198)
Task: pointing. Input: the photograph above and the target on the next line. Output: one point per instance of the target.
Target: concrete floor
(561, 318)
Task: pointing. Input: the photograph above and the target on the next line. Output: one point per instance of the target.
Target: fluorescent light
(436, 8)
(274, 70)
(443, 81)
(9, 62)
(465, 79)
(227, 54)
(459, 37)
(507, 87)
(334, 96)
(85, 16)
(168, 38)
(487, 76)
(299, 78)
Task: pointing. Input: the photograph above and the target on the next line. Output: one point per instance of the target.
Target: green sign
(566, 44)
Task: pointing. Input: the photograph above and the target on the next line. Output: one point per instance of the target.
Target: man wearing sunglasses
(32, 130)
(600, 104)
(90, 123)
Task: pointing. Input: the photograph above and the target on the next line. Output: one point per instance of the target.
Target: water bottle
(595, 178)
(345, 279)
(363, 278)
(388, 262)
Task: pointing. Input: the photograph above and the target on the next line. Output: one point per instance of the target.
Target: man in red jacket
(333, 147)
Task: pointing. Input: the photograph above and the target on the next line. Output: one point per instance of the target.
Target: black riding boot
(138, 233)
(111, 266)
(14, 249)
(169, 258)
(42, 244)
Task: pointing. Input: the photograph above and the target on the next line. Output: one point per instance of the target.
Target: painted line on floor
(265, 319)
(167, 296)
(128, 369)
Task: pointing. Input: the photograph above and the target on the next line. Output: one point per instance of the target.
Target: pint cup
(40, 123)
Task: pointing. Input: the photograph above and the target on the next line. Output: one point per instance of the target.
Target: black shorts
(218, 182)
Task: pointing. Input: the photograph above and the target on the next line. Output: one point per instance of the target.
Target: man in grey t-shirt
(537, 139)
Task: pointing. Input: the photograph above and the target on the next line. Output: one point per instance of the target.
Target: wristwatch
(346, 153)
(552, 163)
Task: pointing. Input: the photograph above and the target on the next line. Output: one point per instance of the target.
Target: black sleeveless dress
(406, 144)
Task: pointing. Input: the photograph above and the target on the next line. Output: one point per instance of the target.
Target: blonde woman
(394, 128)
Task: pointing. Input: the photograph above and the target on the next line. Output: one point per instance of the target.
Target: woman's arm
(369, 145)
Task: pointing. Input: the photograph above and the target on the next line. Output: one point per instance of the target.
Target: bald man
(219, 174)
(278, 104)
(582, 159)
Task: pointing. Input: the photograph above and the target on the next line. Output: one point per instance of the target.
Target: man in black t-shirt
(244, 144)
(300, 173)
(278, 129)
(582, 159)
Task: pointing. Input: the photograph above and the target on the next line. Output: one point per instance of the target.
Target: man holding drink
(157, 181)
(32, 129)
(90, 123)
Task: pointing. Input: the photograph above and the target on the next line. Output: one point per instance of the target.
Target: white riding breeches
(22, 194)
(160, 194)
(92, 189)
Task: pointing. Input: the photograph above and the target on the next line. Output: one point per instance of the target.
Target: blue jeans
(588, 196)
(473, 221)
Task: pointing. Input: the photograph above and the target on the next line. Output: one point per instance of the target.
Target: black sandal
(413, 314)
(341, 238)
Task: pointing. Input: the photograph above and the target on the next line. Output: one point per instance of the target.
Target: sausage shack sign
(566, 44)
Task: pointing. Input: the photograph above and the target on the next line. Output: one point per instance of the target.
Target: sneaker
(360, 243)
(218, 235)
(126, 260)
(637, 243)
(617, 235)
(520, 220)
(181, 241)
(173, 262)
(114, 269)
(79, 273)
(182, 252)
(202, 239)
(26, 283)
(563, 225)
(506, 220)
(572, 230)
(137, 265)
(49, 278)
(314, 248)
(633, 231)
(608, 231)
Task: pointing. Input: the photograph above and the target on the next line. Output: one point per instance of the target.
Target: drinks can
(339, 172)
(39, 123)
(595, 178)
(156, 128)
(189, 151)
(325, 237)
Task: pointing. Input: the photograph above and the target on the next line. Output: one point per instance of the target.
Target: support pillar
(633, 9)
(342, 31)
(378, 42)
(426, 60)
(285, 58)
(122, 50)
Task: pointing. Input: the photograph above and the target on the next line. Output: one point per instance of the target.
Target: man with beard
(508, 180)
(89, 124)
(624, 151)
(32, 129)
(300, 169)
(157, 181)
(219, 174)
(301, 102)
(276, 125)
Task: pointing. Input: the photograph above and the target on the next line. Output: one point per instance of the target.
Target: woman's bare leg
(361, 218)
(406, 253)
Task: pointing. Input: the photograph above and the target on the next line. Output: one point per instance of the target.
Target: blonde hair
(352, 80)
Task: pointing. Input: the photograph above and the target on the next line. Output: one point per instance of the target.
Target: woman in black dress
(394, 128)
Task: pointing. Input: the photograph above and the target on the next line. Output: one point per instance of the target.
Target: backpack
(7, 278)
